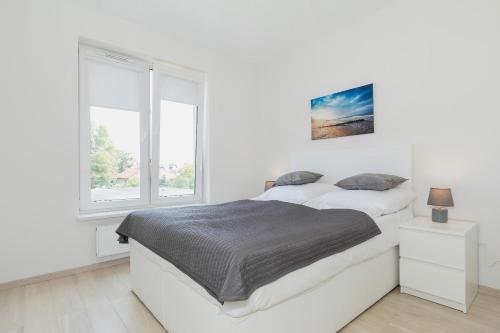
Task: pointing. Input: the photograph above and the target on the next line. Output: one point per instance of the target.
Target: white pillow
(297, 194)
(373, 203)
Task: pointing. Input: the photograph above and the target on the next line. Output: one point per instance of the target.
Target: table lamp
(439, 199)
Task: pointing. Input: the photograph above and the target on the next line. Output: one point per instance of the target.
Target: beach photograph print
(345, 113)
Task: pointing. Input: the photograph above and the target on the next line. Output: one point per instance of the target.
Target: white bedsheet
(306, 278)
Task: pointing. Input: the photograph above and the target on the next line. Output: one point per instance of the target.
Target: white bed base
(324, 309)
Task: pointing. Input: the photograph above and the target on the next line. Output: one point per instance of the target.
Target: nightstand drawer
(446, 250)
(448, 283)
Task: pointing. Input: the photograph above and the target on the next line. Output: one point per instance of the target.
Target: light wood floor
(101, 301)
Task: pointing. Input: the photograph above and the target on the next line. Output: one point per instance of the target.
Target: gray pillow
(371, 181)
(297, 178)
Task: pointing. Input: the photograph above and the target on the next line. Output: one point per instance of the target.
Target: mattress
(301, 280)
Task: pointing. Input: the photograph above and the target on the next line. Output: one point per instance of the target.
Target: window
(140, 132)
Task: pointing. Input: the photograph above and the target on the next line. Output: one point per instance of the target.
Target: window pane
(114, 154)
(177, 149)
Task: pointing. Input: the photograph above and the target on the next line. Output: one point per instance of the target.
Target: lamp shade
(268, 185)
(440, 197)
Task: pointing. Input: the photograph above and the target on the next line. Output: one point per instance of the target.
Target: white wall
(435, 66)
(39, 231)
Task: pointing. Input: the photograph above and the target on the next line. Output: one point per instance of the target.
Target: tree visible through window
(114, 154)
(108, 162)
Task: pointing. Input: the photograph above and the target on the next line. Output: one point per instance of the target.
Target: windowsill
(103, 215)
(82, 216)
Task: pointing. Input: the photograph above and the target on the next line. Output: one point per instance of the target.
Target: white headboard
(337, 164)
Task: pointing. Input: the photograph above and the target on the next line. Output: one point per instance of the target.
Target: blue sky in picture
(345, 105)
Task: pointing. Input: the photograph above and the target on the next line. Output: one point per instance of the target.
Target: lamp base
(439, 215)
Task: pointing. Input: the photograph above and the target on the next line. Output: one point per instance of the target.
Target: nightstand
(439, 261)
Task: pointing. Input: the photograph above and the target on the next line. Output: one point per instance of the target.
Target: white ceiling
(253, 30)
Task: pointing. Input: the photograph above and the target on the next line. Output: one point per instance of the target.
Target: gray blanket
(234, 248)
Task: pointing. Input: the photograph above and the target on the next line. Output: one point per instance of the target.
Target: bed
(322, 297)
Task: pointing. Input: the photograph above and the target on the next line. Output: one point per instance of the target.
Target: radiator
(107, 241)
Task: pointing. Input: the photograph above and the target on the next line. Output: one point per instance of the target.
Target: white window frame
(199, 78)
(149, 133)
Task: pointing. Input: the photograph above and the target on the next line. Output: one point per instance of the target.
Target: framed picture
(345, 113)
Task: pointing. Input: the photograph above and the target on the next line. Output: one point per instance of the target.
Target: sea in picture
(345, 113)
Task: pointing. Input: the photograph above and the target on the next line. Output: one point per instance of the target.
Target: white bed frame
(324, 309)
